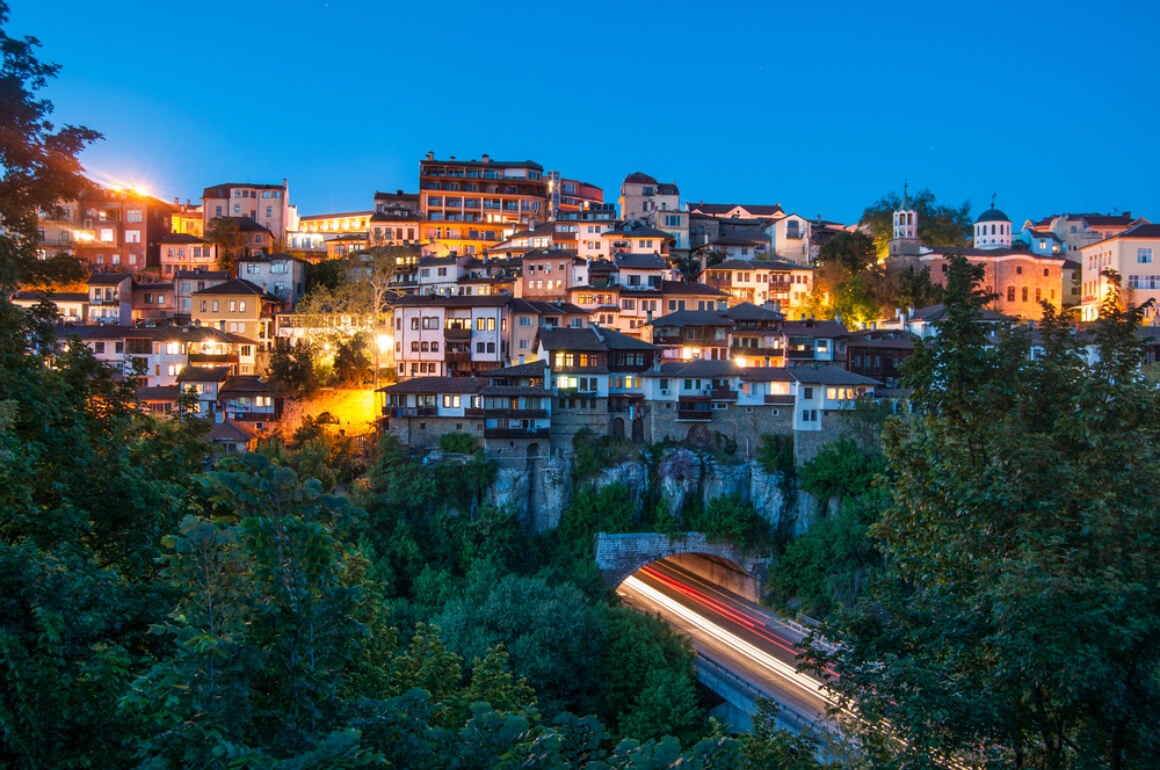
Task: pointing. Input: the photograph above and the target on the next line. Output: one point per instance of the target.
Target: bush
(458, 443)
(775, 454)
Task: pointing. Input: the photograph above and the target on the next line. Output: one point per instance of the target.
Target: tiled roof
(238, 286)
(530, 369)
(692, 318)
(615, 340)
(747, 311)
(716, 209)
(107, 279)
(641, 262)
(246, 383)
(758, 264)
(571, 339)
(181, 238)
(827, 329)
(813, 374)
(437, 385)
(766, 374)
(203, 374)
(59, 296)
(639, 177)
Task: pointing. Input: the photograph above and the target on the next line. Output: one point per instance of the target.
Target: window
(1143, 256)
(98, 348)
(525, 320)
(132, 236)
(133, 215)
(451, 401)
(415, 324)
(1024, 293)
(1010, 293)
(808, 394)
(214, 306)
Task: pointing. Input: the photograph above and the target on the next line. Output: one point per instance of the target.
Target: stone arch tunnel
(620, 555)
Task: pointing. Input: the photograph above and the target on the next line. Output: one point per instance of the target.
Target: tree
(847, 280)
(291, 366)
(38, 162)
(1016, 620)
(225, 233)
(938, 224)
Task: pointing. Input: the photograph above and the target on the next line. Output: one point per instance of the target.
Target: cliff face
(539, 493)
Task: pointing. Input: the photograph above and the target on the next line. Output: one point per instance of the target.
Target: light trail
(780, 669)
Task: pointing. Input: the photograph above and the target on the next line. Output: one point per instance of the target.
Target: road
(731, 633)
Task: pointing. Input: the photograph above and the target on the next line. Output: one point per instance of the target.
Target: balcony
(456, 356)
(795, 353)
(723, 394)
(457, 334)
(204, 359)
(694, 414)
(778, 399)
(537, 432)
(473, 411)
(409, 411)
(515, 414)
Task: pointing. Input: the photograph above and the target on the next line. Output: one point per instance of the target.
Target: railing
(540, 432)
(779, 399)
(472, 411)
(723, 394)
(516, 413)
(700, 415)
(457, 356)
(456, 333)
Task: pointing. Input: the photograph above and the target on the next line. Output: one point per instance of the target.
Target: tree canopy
(38, 161)
(938, 224)
(1016, 620)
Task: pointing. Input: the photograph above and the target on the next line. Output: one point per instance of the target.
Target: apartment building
(467, 206)
(266, 204)
(238, 307)
(1133, 254)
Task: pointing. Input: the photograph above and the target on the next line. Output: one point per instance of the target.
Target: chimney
(176, 201)
(399, 191)
(431, 155)
(486, 158)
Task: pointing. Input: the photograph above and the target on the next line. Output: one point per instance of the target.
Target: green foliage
(353, 365)
(592, 454)
(38, 161)
(775, 454)
(292, 367)
(938, 224)
(1015, 615)
(609, 509)
(730, 518)
(459, 443)
(840, 469)
(550, 632)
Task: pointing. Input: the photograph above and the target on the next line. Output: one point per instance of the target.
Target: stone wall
(741, 425)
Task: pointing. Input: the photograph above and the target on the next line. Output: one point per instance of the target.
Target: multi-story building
(72, 307)
(187, 218)
(110, 298)
(153, 301)
(110, 230)
(547, 275)
(395, 221)
(186, 282)
(238, 307)
(1133, 255)
(1019, 280)
(279, 275)
(467, 206)
(567, 197)
(267, 204)
(185, 251)
(785, 284)
(1076, 231)
(643, 199)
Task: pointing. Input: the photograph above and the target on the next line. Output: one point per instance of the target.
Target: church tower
(904, 239)
(992, 229)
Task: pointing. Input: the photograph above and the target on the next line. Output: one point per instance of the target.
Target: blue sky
(823, 107)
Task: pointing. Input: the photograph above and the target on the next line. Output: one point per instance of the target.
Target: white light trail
(783, 670)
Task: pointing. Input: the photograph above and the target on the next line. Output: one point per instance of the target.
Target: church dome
(993, 215)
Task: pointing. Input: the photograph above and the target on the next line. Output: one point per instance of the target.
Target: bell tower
(904, 239)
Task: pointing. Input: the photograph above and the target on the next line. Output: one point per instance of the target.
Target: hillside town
(518, 305)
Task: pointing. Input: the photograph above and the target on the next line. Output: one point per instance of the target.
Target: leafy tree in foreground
(38, 163)
(1016, 622)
